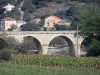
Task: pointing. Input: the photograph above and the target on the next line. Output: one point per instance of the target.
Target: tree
(30, 27)
(3, 44)
(88, 21)
(13, 27)
(61, 27)
(27, 6)
(51, 8)
(5, 54)
(87, 18)
(2, 12)
(27, 16)
(94, 49)
(3, 2)
(15, 13)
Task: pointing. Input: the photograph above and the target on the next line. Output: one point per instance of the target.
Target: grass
(50, 65)
(86, 62)
(9, 69)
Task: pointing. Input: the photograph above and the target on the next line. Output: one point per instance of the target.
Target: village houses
(51, 21)
(8, 22)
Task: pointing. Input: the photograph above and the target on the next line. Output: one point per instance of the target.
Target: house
(9, 7)
(53, 20)
(6, 23)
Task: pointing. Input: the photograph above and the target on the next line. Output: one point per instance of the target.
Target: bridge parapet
(37, 32)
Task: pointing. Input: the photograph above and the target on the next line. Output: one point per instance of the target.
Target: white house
(6, 23)
(9, 7)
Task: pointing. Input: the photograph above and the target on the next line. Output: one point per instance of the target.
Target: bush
(5, 54)
(94, 49)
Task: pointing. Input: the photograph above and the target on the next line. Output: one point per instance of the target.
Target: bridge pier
(77, 50)
(45, 49)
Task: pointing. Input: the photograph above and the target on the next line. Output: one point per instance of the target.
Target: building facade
(6, 23)
(53, 20)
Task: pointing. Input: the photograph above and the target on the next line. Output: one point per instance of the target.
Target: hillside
(27, 10)
(39, 8)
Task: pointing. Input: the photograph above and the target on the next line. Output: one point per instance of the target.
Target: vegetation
(30, 27)
(87, 63)
(94, 49)
(5, 54)
(9, 69)
(48, 65)
(87, 19)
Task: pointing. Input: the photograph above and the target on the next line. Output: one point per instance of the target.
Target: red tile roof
(57, 18)
(9, 19)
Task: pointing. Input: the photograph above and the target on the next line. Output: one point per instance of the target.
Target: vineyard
(50, 65)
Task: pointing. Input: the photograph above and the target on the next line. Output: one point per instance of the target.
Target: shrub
(94, 48)
(5, 54)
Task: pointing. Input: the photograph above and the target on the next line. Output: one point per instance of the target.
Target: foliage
(11, 41)
(3, 44)
(58, 41)
(61, 27)
(28, 6)
(5, 54)
(87, 18)
(51, 8)
(2, 10)
(94, 48)
(3, 1)
(15, 13)
(30, 27)
(8, 42)
(18, 2)
(13, 27)
(28, 44)
(27, 16)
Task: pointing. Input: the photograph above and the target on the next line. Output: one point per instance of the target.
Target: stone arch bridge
(45, 37)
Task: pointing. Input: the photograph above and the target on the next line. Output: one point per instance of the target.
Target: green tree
(94, 49)
(28, 6)
(13, 27)
(3, 44)
(27, 16)
(87, 17)
(88, 21)
(5, 54)
(15, 13)
(30, 27)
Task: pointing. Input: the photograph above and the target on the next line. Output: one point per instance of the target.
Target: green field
(8, 69)
(50, 65)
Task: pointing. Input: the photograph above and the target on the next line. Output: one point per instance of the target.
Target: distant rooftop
(9, 19)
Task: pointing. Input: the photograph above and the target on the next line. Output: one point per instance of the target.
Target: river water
(58, 51)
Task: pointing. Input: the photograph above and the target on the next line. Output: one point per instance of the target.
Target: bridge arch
(84, 46)
(67, 45)
(33, 44)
